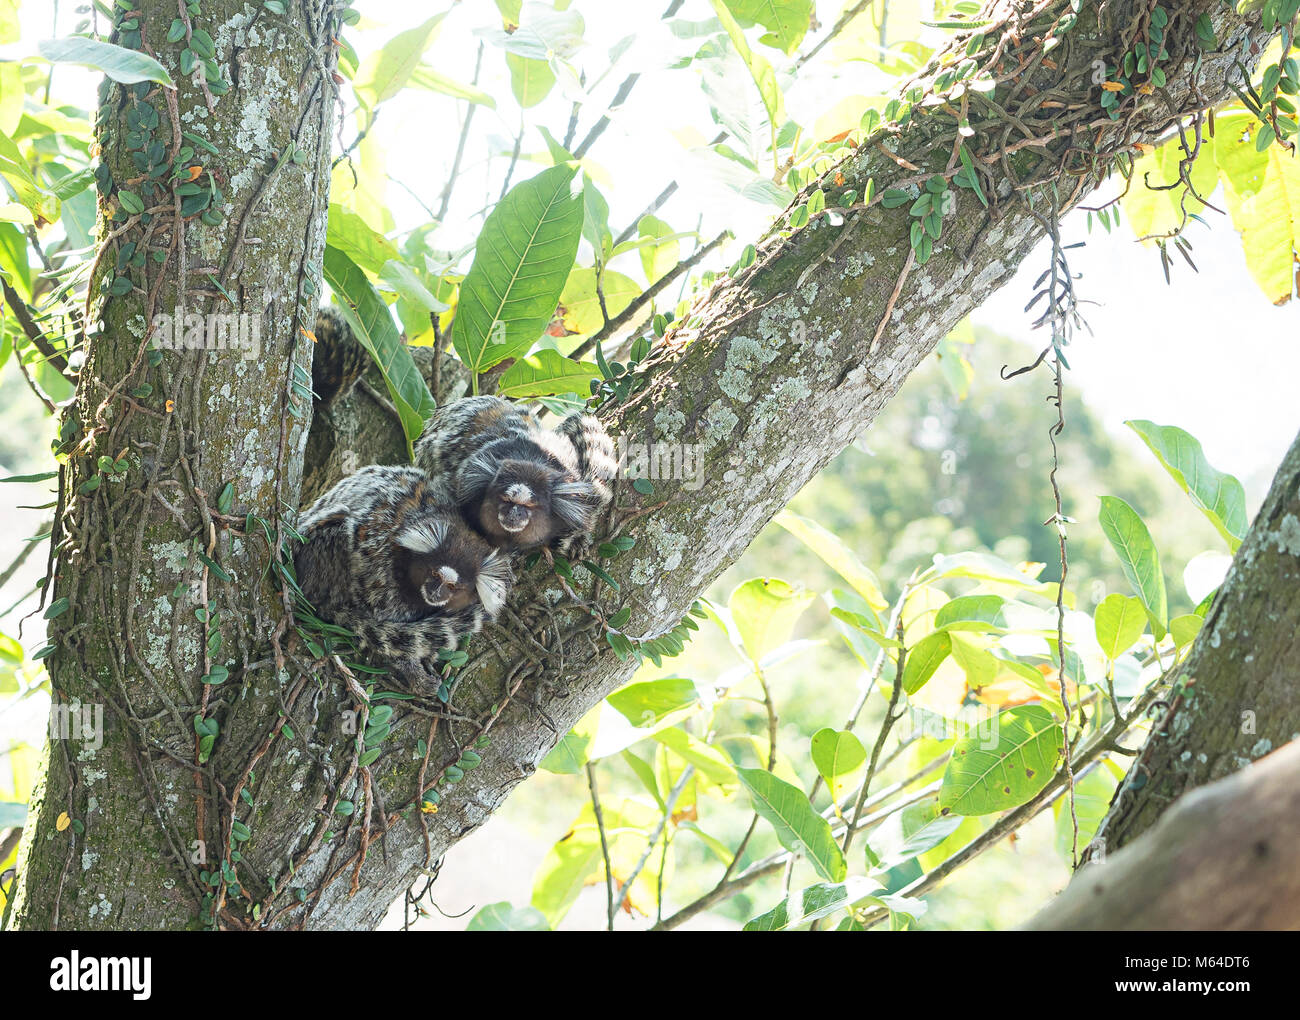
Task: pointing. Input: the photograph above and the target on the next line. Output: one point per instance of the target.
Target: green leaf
(765, 610)
(1262, 189)
(1219, 496)
(972, 612)
(800, 829)
(12, 815)
(42, 204)
(384, 73)
(838, 556)
(119, 63)
(1119, 621)
(838, 755)
(649, 703)
(531, 80)
(573, 750)
(1183, 629)
(546, 373)
(815, 902)
(1131, 540)
(373, 327)
(995, 771)
(522, 258)
(711, 762)
(924, 658)
(759, 69)
(504, 917)
(786, 21)
(403, 280)
(355, 238)
(426, 77)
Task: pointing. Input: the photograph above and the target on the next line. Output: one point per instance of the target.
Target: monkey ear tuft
(494, 582)
(575, 504)
(423, 536)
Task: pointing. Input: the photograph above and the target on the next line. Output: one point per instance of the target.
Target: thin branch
(641, 300)
(604, 844)
(445, 200)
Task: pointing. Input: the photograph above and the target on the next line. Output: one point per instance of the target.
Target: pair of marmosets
(415, 559)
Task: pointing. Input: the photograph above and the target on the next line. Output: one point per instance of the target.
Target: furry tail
(339, 359)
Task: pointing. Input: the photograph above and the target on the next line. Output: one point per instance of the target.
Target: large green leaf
(814, 902)
(531, 80)
(1218, 495)
(1263, 193)
(1119, 621)
(1129, 537)
(522, 258)
(648, 703)
(972, 612)
(800, 829)
(119, 63)
(838, 755)
(711, 762)
(546, 373)
(759, 69)
(373, 326)
(385, 72)
(355, 238)
(1001, 770)
(838, 556)
(786, 21)
(505, 917)
(765, 610)
(426, 77)
(40, 202)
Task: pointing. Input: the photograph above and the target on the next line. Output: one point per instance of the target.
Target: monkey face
(516, 511)
(444, 567)
(444, 588)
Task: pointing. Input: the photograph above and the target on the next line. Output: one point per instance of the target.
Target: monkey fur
(338, 360)
(519, 485)
(386, 556)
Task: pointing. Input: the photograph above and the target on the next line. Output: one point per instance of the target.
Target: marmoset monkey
(519, 485)
(338, 360)
(386, 556)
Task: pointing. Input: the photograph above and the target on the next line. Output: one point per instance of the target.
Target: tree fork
(776, 371)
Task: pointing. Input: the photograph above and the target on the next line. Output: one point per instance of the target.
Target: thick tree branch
(1225, 857)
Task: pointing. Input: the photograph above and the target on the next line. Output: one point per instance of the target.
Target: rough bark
(143, 818)
(1225, 857)
(782, 367)
(1239, 701)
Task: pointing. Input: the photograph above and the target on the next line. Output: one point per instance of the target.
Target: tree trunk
(772, 375)
(143, 819)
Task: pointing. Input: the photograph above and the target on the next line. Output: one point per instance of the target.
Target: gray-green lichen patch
(745, 356)
(1287, 536)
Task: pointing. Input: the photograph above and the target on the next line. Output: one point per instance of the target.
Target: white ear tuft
(423, 536)
(574, 503)
(494, 582)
